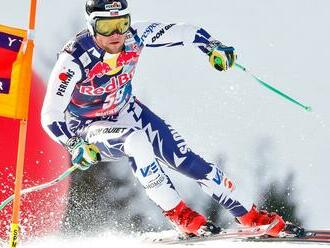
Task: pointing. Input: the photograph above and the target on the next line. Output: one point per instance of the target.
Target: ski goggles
(109, 26)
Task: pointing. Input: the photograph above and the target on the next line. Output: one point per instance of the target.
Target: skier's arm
(178, 34)
(64, 76)
(62, 82)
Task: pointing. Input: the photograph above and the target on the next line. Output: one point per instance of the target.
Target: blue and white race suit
(90, 95)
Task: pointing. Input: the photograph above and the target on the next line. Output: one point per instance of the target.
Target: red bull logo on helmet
(113, 6)
(112, 86)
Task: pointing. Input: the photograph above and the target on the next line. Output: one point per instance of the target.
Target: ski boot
(294, 230)
(262, 217)
(190, 222)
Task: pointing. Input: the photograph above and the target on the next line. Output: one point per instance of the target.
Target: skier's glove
(82, 153)
(221, 57)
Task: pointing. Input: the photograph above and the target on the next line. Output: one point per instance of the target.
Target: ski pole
(268, 86)
(40, 187)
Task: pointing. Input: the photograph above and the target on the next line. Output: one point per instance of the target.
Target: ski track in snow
(112, 239)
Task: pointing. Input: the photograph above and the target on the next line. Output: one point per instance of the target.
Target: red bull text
(112, 86)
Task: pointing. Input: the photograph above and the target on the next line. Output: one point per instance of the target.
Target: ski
(316, 236)
(251, 234)
(239, 233)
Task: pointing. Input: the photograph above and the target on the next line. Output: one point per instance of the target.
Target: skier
(89, 108)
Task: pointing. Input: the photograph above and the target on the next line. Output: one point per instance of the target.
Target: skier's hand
(222, 57)
(83, 154)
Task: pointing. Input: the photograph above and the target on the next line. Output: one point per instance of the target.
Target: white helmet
(107, 10)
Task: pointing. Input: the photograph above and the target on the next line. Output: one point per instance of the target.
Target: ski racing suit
(89, 95)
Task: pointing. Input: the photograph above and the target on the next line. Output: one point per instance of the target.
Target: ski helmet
(104, 10)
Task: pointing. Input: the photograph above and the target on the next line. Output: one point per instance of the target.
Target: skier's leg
(122, 137)
(157, 184)
(172, 149)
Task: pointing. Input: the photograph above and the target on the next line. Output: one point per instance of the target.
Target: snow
(112, 239)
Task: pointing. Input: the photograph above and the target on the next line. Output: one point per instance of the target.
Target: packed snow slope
(110, 239)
